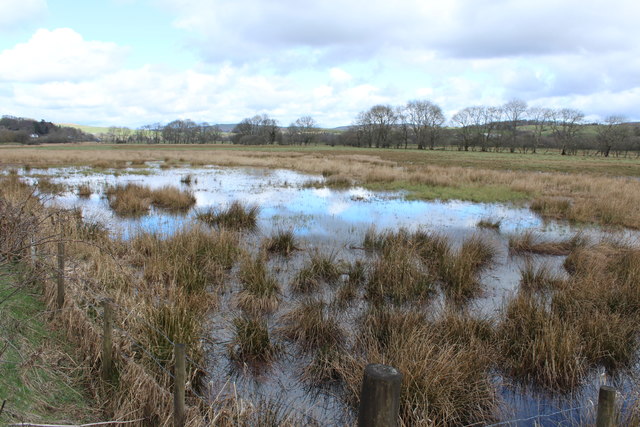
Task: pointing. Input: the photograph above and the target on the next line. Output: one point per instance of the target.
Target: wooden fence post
(180, 375)
(32, 250)
(380, 396)
(60, 295)
(107, 343)
(606, 407)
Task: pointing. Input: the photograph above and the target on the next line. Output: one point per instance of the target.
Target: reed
(529, 242)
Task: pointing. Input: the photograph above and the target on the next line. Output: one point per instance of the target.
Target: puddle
(333, 221)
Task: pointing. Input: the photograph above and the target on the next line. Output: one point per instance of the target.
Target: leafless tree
(565, 127)
(542, 119)
(514, 111)
(611, 134)
(426, 120)
(303, 131)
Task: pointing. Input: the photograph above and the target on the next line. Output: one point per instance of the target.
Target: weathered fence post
(178, 386)
(32, 250)
(107, 344)
(380, 396)
(60, 295)
(606, 407)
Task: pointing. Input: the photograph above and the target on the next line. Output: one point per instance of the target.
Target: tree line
(422, 124)
(513, 127)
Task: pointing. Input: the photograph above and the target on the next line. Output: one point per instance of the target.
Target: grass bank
(40, 379)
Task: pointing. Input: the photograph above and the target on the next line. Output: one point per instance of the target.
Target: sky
(136, 62)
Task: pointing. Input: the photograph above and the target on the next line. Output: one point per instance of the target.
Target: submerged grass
(281, 242)
(529, 242)
(320, 267)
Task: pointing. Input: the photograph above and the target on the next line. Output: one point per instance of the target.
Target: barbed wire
(590, 405)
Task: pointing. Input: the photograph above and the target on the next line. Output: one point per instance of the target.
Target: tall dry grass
(448, 384)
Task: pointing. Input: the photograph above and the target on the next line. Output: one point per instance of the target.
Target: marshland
(501, 287)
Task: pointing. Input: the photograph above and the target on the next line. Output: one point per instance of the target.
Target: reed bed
(252, 342)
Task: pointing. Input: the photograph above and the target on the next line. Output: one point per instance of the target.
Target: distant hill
(95, 130)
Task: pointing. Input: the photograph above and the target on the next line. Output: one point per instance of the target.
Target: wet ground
(333, 221)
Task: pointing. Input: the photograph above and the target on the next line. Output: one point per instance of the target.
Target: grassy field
(96, 130)
(584, 189)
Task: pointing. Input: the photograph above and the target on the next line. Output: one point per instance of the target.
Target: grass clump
(447, 384)
(193, 258)
(538, 278)
(398, 275)
(251, 342)
(489, 224)
(172, 198)
(318, 268)
(538, 347)
(177, 318)
(528, 242)
(46, 185)
(312, 326)
(260, 293)
(235, 216)
(129, 199)
(84, 191)
(552, 207)
(458, 270)
(134, 200)
(282, 242)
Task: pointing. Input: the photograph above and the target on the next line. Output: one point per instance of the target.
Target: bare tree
(514, 111)
(426, 120)
(566, 126)
(303, 131)
(611, 134)
(542, 119)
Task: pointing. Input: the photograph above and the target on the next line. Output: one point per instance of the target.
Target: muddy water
(333, 221)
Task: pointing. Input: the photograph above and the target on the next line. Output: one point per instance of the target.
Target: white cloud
(247, 30)
(19, 13)
(59, 55)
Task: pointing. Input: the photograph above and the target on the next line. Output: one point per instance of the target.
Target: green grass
(96, 130)
(482, 194)
(31, 368)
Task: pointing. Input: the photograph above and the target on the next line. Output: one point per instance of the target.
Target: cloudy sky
(134, 62)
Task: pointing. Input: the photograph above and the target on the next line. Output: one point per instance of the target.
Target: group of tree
(513, 126)
(422, 124)
(29, 131)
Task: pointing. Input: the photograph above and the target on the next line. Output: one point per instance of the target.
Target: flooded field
(337, 223)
